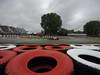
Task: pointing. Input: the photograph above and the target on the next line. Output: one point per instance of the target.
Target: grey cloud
(27, 13)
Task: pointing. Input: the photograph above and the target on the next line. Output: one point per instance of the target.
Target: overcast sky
(27, 13)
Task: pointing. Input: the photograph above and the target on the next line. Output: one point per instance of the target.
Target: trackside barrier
(40, 62)
(80, 46)
(27, 48)
(7, 46)
(58, 47)
(5, 56)
(86, 62)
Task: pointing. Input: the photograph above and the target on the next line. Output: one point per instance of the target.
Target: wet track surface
(70, 40)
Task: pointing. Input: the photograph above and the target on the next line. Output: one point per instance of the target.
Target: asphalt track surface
(71, 40)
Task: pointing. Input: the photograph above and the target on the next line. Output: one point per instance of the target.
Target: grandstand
(4, 29)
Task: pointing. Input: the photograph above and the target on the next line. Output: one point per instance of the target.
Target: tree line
(52, 25)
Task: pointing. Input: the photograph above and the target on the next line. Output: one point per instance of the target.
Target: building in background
(4, 29)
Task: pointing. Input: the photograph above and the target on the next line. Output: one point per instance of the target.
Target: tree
(63, 32)
(92, 28)
(70, 31)
(51, 23)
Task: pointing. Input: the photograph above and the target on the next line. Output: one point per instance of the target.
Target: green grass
(94, 38)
